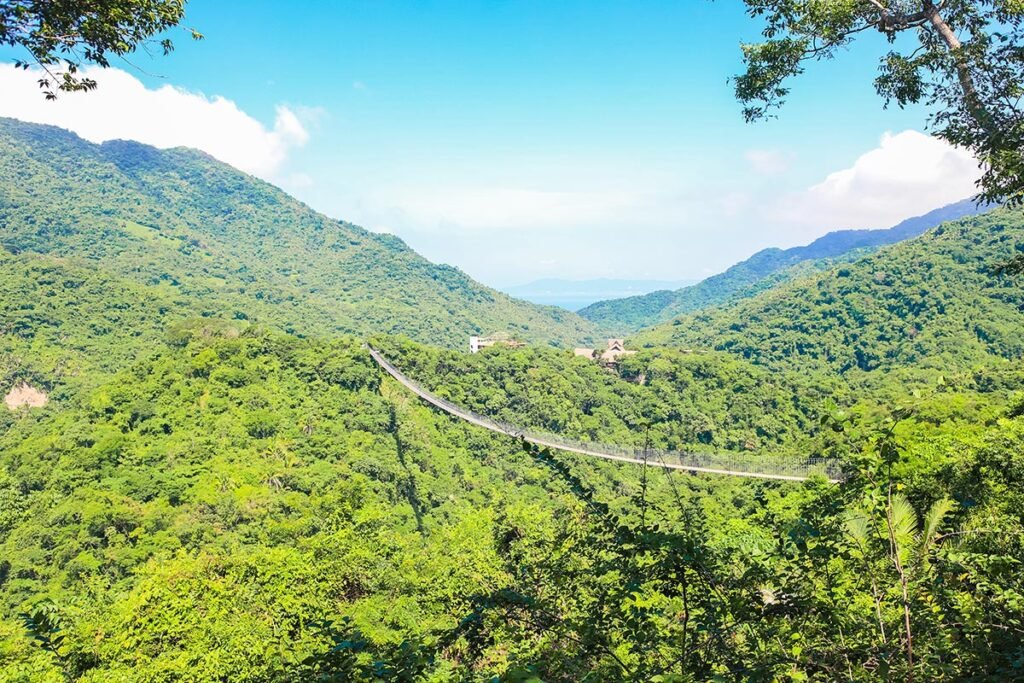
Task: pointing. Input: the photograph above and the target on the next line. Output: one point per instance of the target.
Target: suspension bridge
(730, 464)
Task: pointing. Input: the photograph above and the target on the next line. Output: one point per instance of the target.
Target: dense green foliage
(704, 401)
(229, 496)
(674, 400)
(62, 326)
(223, 243)
(232, 491)
(207, 514)
(209, 495)
(762, 271)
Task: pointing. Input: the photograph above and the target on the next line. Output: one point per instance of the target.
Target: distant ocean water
(568, 303)
(573, 295)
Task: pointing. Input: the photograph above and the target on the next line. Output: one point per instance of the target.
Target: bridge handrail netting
(734, 464)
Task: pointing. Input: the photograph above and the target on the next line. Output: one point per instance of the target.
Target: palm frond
(857, 524)
(933, 521)
(903, 519)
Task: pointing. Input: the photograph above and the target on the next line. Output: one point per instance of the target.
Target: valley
(230, 479)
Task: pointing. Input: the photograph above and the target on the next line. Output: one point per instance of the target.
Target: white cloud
(123, 108)
(769, 162)
(908, 174)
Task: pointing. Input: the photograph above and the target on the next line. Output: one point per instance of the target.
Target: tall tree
(62, 35)
(962, 58)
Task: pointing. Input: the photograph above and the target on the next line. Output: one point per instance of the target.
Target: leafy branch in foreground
(61, 37)
(966, 63)
(43, 624)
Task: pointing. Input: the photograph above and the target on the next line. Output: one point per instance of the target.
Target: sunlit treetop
(965, 62)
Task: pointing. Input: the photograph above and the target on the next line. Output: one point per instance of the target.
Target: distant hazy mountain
(762, 270)
(575, 294)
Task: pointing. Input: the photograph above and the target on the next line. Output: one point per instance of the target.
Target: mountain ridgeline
(931, 302)
(762, 271)
(222, 243)
(753, 375)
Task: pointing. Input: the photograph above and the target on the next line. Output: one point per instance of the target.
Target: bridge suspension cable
(735, 465)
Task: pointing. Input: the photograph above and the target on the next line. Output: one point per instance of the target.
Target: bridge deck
(794, 470)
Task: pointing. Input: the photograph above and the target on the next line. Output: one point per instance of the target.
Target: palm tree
(907, 542)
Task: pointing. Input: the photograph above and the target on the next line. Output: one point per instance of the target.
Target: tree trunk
(963, 70)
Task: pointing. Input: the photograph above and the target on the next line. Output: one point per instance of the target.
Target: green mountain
(930, 302)
(223, 243)
(761, 271)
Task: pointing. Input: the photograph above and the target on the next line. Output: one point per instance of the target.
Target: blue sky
(519, 140)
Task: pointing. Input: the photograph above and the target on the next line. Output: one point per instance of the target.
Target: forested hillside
(762, 271)
(223, 243)
(250, 506)
(206, 512)
(929, 303)
(677, 401)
